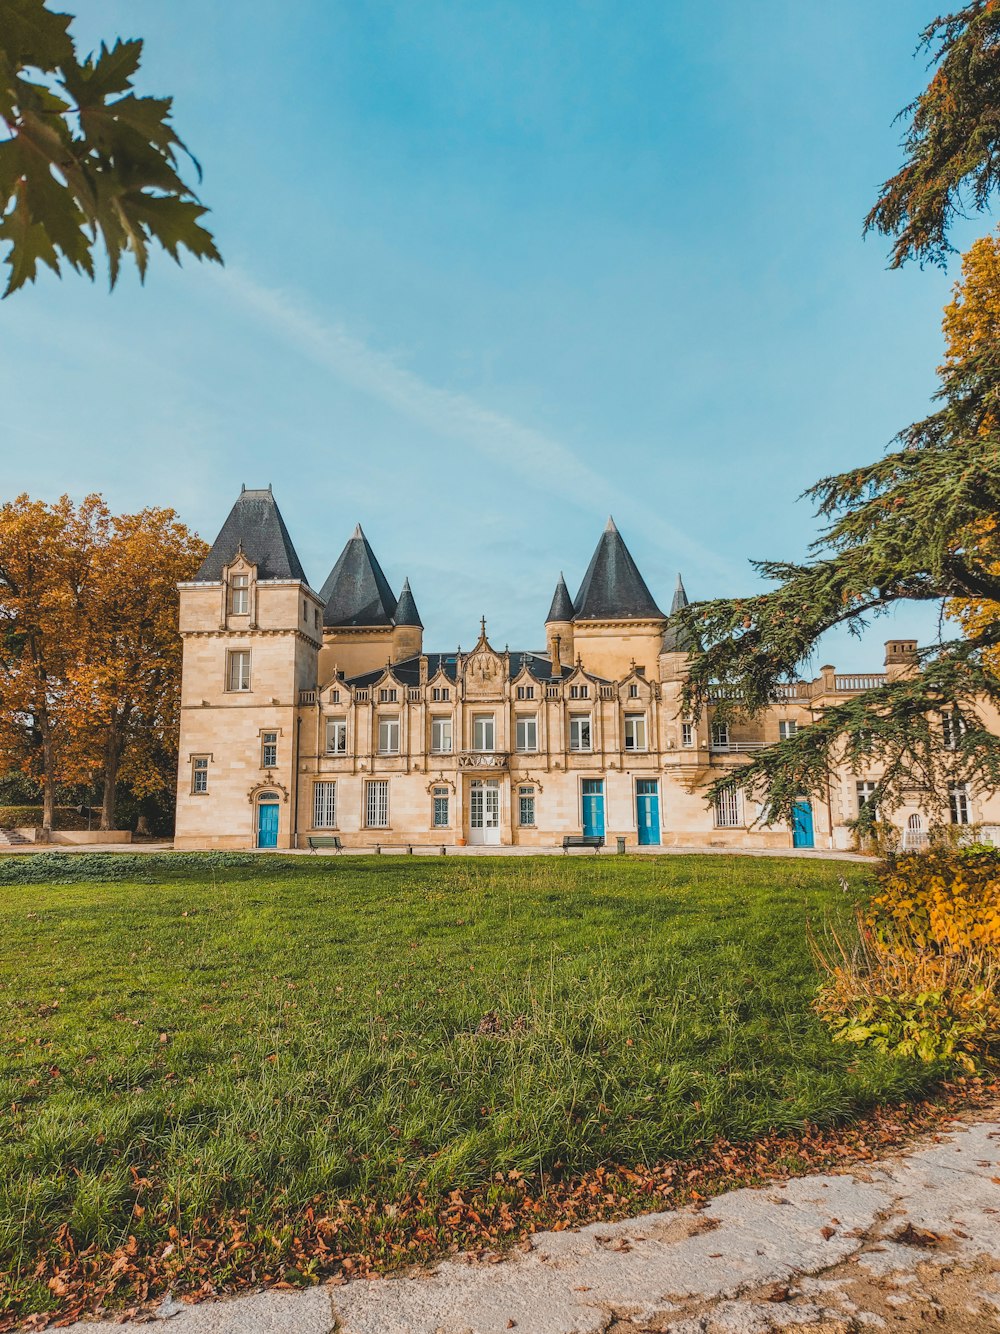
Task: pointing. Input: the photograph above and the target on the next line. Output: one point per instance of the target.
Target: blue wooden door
(267, 824)
(593, 807)
(802, 825)
(647, 803)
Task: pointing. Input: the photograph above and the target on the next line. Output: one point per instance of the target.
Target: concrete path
(910, 1244)
(434, 850)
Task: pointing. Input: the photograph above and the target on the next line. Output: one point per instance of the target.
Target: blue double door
(647, 801)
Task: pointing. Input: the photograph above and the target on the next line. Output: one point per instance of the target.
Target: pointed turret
(559, 628)
(356, 592)
(613, 589)
(676, 638)
(256, 528)
(406, 609)
(562, 604)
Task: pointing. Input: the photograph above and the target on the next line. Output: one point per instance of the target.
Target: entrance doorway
(802, 825)
(267, 821)
(647, 806)
(593, 807)
(484, 811)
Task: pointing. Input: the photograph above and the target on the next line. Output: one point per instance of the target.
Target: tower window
(239, 594)
(199, 775)
(687, 735)
(268, 750)
(238, 673)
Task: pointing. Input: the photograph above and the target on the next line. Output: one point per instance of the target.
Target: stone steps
(12, 839)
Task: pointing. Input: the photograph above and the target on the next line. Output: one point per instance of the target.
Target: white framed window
(377, 803)
(441, 736)
(239, 594)
(635, 731)
(336, 736)
(633, 690)
(952, 727)
(199, 775)
(526, 732)
(787, 727)
(238, 669)
(388, 736)
(441, 808)
(440, 694)
(865, 789)
(687, 735)
(387, 695)
(579, 692)
(268, 750)
(483, 731)
(958, 804)
(720, 734)
(729, 810)
(324, 805)
(579, 731)
(526, 806)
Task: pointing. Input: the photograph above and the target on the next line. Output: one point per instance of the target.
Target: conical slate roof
(562, 603)
(356, 591)
(406, 609)
(255, 525)
(677, 639)
(613, 589)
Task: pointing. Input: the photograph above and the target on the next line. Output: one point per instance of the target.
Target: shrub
(70, 868)
(922, 979)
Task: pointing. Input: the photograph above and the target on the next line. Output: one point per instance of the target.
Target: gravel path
(910, 1244)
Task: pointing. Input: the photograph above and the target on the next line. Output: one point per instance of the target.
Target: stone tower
(251, 628)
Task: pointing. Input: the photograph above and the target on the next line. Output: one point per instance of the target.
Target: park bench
(595, 841)
(325, 841)
(408, 846)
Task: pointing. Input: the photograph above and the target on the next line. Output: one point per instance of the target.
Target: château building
(313, 714)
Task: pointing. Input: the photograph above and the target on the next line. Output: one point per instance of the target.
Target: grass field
(257, 1039)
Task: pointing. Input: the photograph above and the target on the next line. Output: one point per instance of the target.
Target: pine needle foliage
(917, 525)
(952, 142)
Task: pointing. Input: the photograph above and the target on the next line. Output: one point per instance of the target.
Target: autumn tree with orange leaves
(89, 652)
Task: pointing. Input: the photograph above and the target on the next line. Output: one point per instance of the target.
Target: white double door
(484, 811)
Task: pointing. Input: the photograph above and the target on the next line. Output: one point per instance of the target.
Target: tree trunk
(112, 758)
(48, 783)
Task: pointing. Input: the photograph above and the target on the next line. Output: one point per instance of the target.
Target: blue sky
(495, 270)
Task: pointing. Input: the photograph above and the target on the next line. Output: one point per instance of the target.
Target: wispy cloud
(539, 460)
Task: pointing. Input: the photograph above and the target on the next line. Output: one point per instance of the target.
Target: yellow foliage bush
(922, 977)
(949, 901)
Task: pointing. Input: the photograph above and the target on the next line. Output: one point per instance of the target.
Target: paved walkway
(910, 1244)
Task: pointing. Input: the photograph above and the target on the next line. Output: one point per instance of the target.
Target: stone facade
(311, 715)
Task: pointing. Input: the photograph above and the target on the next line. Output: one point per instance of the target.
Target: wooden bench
(325, 841)
(409, 847)
(595, 841)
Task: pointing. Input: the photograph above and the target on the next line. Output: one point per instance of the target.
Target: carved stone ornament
(258, 788)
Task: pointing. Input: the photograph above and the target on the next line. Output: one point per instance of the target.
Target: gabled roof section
(406, 609)
(562, 603)
(613, 589)
(677, 639)
(256, 527)
(356, 591)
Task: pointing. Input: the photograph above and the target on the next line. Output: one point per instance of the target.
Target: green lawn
(258, 1037)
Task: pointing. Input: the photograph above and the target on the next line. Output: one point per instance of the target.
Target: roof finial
(482, 627)
(357, 531)
(610, 526)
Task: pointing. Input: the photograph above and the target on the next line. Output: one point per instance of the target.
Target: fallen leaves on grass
(336, 1239)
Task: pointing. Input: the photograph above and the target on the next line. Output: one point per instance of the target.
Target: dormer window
(239, 595)
(440, 694)
(579, 692)
(526, 692)
(633, 691)
(387, 696)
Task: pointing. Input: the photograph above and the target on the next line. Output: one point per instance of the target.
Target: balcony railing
(484, 759)
(308, 696)
(735, 747)
(864, 681)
